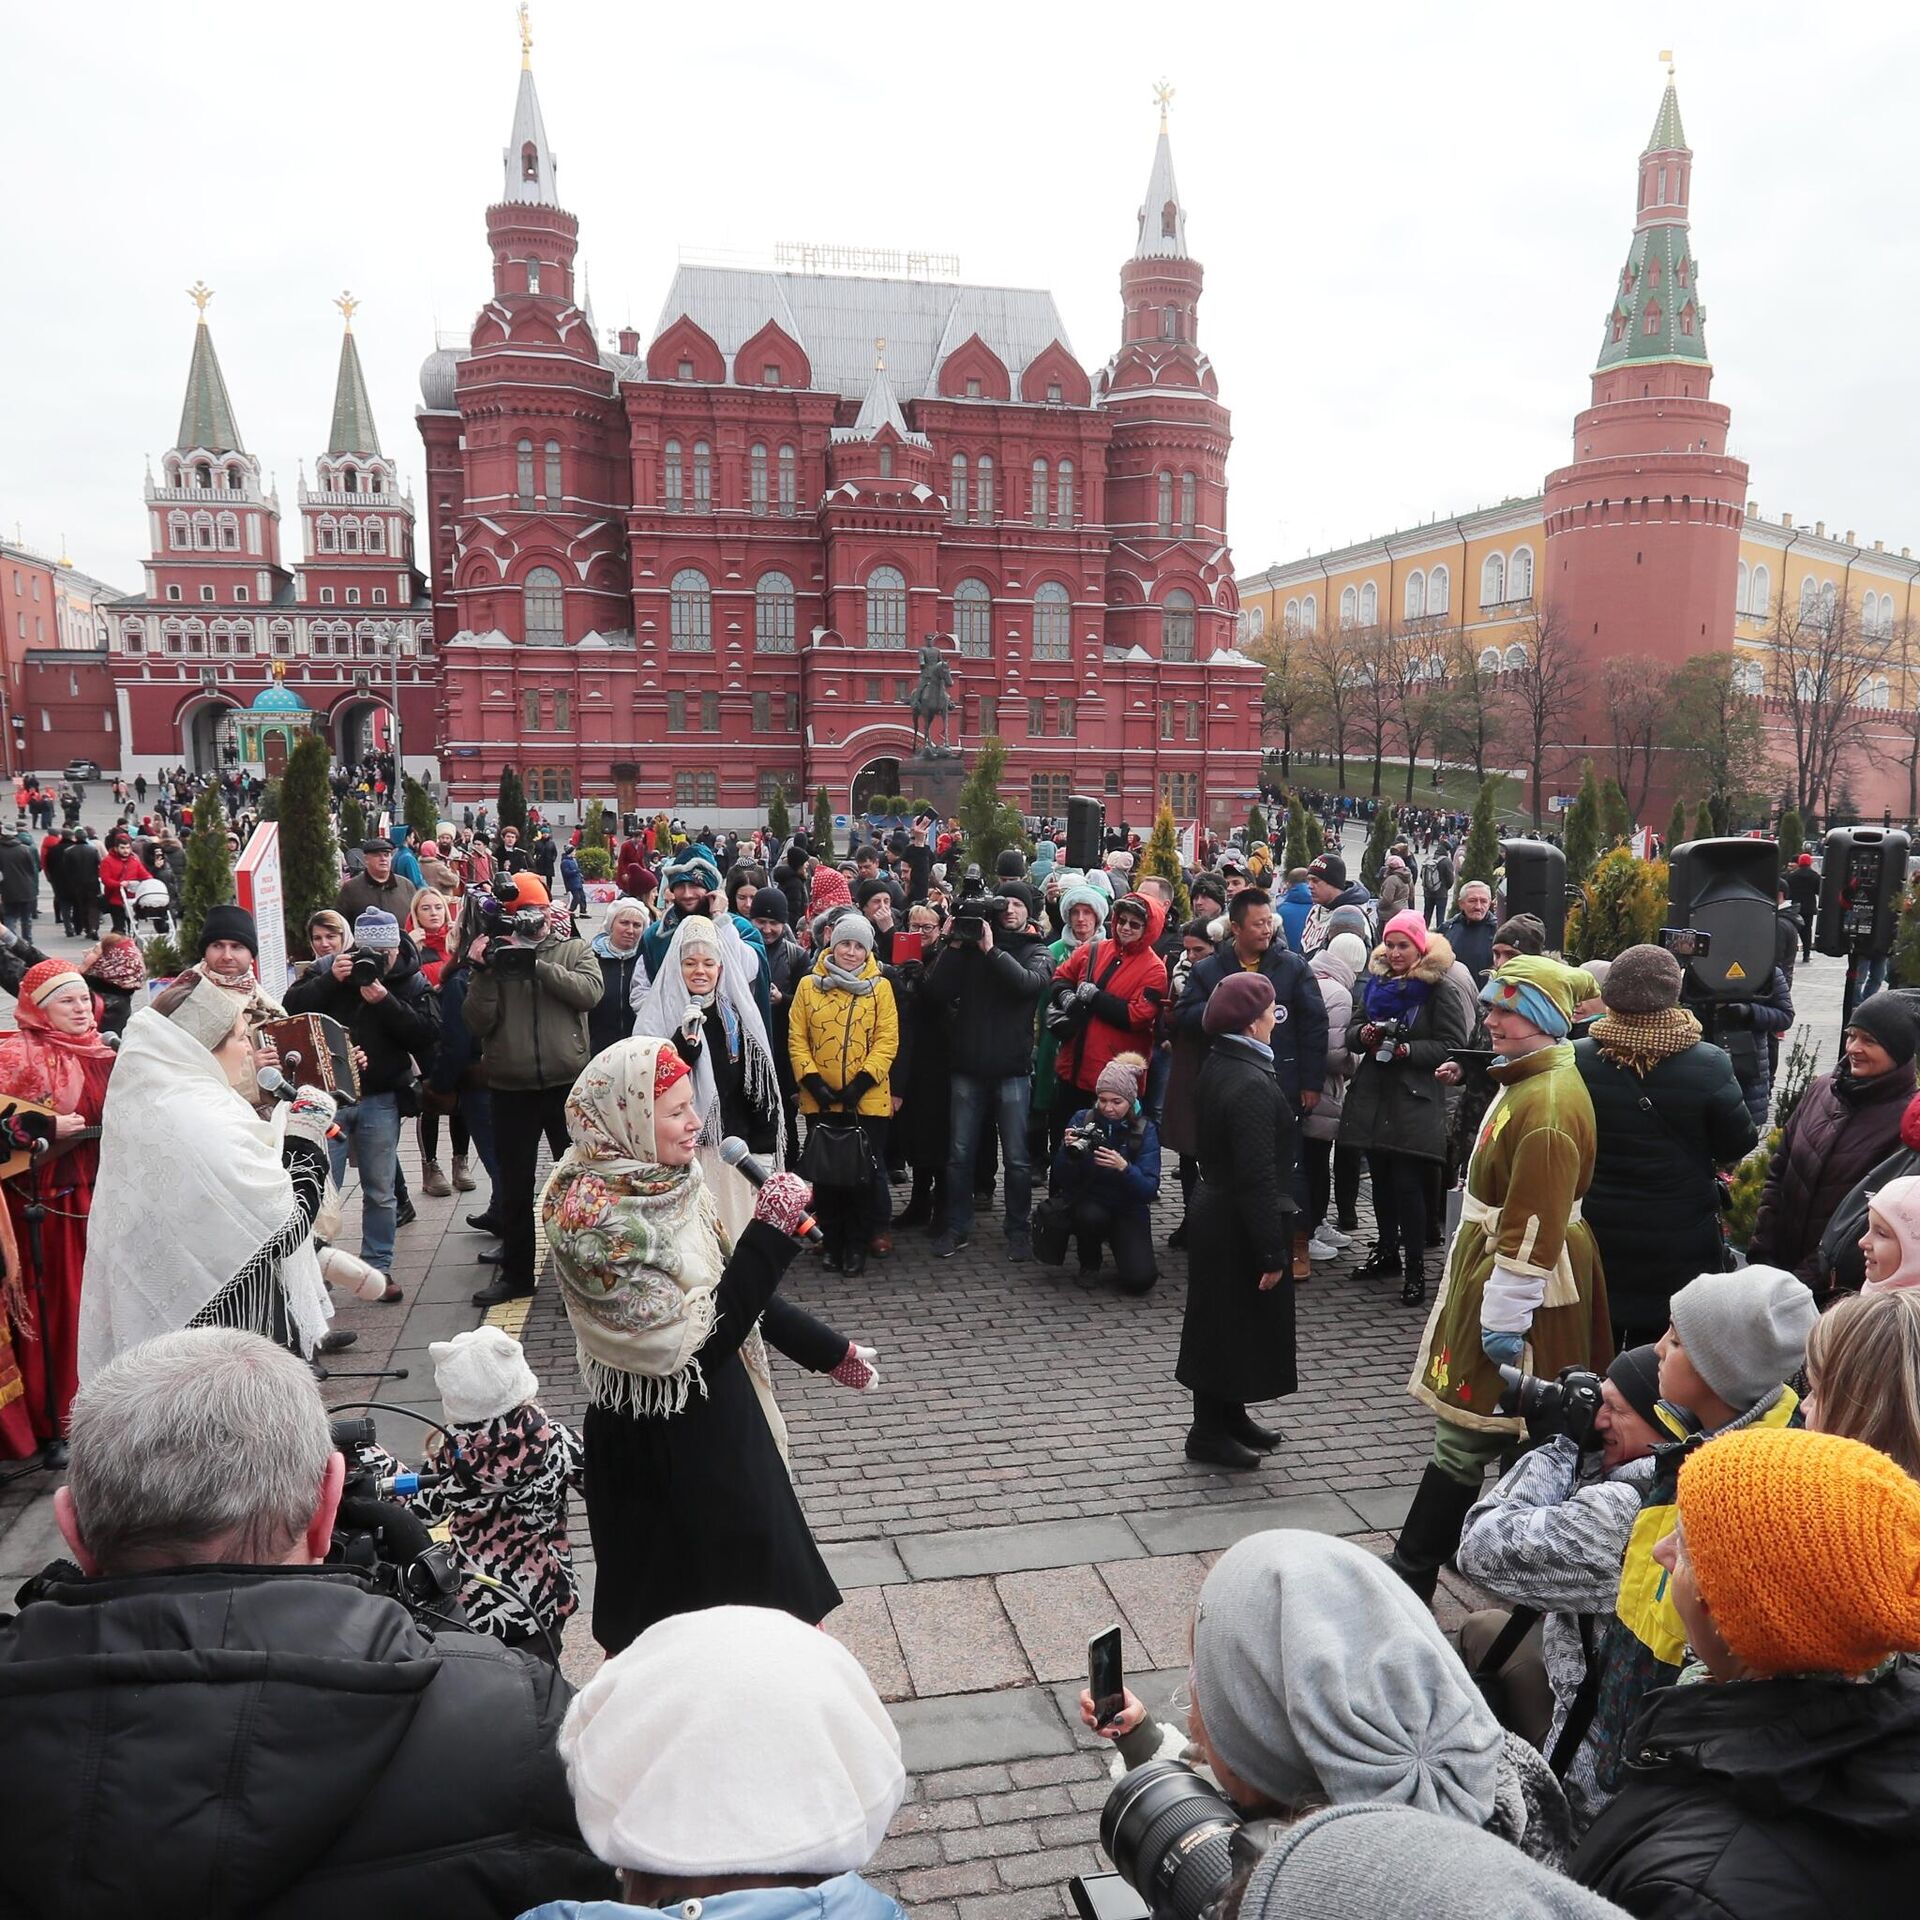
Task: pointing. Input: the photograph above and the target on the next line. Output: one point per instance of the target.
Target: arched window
(555, 491)
(1416, 602)
(1520, 574)
(1189, 503)
(1309, 613)
(789, 482)
(1290, 619)
(1750, 677)
(542, 609)
(203, 475)
(529, 161)
(1809, 594)
(350, 537)
(203, 530)
(983, 490)
(1063, 494)
(1052, 622)
(957, 490)
(1493, 580)
(1806, 684)
(178, 533)
(1176, 626)
(1169, 323)
(328, 534)
(533, 276)
(702, 477)
(690, 612)
(973, 619)
(757, 476)
(1038, 502)
(773, 613)
(523, 471)
(376, 537)
(1165, 515)
(887, 609)
(1740, 588)
(675, 480)
(1876, 692)
(1516, 658)
(1369, 604)
(1439, 590)
(1759, 593)
(1349, 606)
(1824, 617)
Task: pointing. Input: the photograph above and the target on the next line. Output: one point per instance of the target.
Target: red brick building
(56, 694)
(679, 575)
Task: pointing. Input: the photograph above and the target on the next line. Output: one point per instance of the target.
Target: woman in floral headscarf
(688, 1497)
(117, 971)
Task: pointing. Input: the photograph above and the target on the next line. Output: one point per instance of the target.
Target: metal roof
(837, 318)
(352, 430)
(206, 418)
(1163, 191)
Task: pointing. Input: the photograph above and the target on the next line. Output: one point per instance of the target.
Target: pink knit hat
(1898, 1204)
(1409, 923)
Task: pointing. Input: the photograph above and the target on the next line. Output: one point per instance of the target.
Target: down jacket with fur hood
(1398, 1106)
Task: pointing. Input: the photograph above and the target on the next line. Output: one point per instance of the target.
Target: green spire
(206, 420)
(353, 429)
(1657, 313)
(1668, 136)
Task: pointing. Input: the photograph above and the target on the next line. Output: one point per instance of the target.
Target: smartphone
(1106, 1679)
(908, 946)
(1105, 1896)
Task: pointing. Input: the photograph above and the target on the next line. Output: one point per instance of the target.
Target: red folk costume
(67, 1072)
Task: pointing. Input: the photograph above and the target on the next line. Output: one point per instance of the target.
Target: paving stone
(1380, 1506)
(1055, 1613)
(1154, 1690)
(971, 1729)
(31, 1538)
(955, 1637)
(1191, 1529)
(863, 1626)
(1015, 1549)
(1158, 1596)
(863, 1563)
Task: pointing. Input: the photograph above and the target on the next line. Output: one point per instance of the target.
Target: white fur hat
(481, 1374)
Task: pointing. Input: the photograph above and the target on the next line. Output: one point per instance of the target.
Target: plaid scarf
(1640, 1041)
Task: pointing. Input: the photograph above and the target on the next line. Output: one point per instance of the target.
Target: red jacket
(1132, 987)
(119, 870)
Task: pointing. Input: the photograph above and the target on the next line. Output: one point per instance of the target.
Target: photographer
(530, 991)
(1107, 996)
(258, 1734)
(1106, 1177)
(988, 979)
(379, 995)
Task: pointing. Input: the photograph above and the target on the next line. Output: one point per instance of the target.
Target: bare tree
(1905, 655)
(1719, 730)
(1635, 689)
(1289, 693)
(1547, 688)
(1477, 705)
(1373, 693)
(1824, 672)
(1333, 670)
(1416, 674)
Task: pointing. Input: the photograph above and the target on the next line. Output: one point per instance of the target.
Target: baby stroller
(150, 901)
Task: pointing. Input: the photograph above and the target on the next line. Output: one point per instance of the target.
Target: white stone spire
(528, 160)
(1163, 219)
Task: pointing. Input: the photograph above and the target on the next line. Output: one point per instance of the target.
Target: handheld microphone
(736, 1153)
(275, 1084)
(111, 1041)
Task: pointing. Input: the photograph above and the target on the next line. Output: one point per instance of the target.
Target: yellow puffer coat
(842, 1035)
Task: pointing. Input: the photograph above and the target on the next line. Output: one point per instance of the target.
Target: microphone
(275, 1084)
(736, 1153)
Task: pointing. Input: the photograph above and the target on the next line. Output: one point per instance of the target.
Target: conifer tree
(822, 835)
(779, 824)
(1793, 838)
(1316, 837)
(1299, 849)
(309, 857)
(209, 878)
(510, 804)
(1162, 856)
(1480, 858)
(418, 809)
(988, 825)
(1256, 824)
(1616, 817)
(1373, 862)
(1702, 822)
(1580, 836)
(1677, 824)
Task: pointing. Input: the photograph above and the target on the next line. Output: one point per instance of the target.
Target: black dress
(1236, 1343)
(696, 1509)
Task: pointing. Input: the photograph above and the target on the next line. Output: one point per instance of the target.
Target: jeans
(371, 1126)
(1128, 1232)
(519, 1120)
(1007, 1100)
(18, 920)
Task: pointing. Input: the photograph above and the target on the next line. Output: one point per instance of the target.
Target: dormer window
(1169, 220)
(529, 162)
(973, 389)
(770, 375)
(533, 276)
(1055, 394)
(1653, 271)
(1653, 316)
(886, 463)
(686, 369)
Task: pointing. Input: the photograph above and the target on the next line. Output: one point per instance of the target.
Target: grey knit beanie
(1642, 980)
(1375, 1862)
(1745, 1332)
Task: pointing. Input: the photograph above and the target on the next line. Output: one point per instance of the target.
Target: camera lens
(1169, 1836)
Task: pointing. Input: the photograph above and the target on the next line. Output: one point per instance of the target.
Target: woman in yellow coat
(843, 1036)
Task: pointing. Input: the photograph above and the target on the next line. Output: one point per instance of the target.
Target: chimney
(1753, 509)
(1786, 519)
(1879, 546)
(1850, 539)
(629, 340)
(1820, 529)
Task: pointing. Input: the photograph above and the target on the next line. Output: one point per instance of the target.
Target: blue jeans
(972, 1100)
(19, 920)
(372, 1126)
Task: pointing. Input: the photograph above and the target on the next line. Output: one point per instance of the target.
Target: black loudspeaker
(1860, 885)
(1537, 884)
(1086, 826)
(1726, 888)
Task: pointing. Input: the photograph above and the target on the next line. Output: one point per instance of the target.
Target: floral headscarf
(116, 963)
(41, 1063)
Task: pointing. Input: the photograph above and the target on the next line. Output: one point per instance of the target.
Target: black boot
(1413, 1289)
(1382, 1263)
(919, 1208)
(1250, 1433)
(1210, 1441)
(1430, 1534)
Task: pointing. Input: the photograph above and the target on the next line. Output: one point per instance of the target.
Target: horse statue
(933, 699)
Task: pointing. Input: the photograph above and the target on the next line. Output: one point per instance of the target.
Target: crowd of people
(1694, 1691)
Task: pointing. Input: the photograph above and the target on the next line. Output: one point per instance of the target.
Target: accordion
(314, 1052)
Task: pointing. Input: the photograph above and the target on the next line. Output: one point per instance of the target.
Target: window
(1740, 588)
(1369, 604)
(533, 276)
(1809, 594)
(542, 621)
(757, 477)
(229, 535)
(1063, 494)
(770, 374)
(690, 612)
(674, 483)
(696, 789)
(1193, 719)
(1875, 691)
(686, 370)
(350, 537)
(555, 491)
(1181, 792)
(1113, 780)
(1056, 393)
(1520, 575)
(1037, 501)
(1189, 503)
(530, 710)
(973, 389)
(177, 533)
(793, 713)
(676, 711)
(329, 539)
(562, 710)
(773, 613)
(353, 596)
(376, 537)
(789, 482)
(957, 491)
(989, 714)
(1050, 792)
(1349, 606)
(202, 531)
(326, 596)
(554, 783)
(1069, 718)
(1176, 626)
(783, 784)
(1169, 323)
(1493, 580)
(523, 468)
(1290, 618)
(762, 713)
(379, 596)
(1652, 322)
(1750, 677)
(983, 490)
(1052, 623)
(709, 713)
(206, 593)
(1439, 590)
(1167, 710)
(1165, 503)
(887, 608)
(1759, 593)
(1309, 613)
(702, 477)
(1806, 684)
(973, 619)
(1515, 658)
(242, 593)
(875, 690)
(1416, 603)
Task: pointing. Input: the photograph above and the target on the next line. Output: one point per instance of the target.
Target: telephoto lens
(1169, 1835)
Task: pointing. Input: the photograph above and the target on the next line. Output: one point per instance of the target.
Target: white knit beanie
(481, 1374)
(734, 1740)
(1350, 948)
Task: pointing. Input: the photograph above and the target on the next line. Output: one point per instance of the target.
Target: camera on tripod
(383, 1540)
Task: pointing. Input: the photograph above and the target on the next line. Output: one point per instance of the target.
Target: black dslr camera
(387, 1542)
(1083, 1137)
(1566, 1404)
(366, 970)
(1391, 1034)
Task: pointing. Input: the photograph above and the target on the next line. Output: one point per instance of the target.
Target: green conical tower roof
(353, 429)
(1668, 135)
(206, 419)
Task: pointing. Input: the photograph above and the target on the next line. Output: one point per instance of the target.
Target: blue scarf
(1395, 997)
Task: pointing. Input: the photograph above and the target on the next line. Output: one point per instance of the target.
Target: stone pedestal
(935, 777)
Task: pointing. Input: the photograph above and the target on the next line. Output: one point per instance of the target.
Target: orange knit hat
(1807, 1548)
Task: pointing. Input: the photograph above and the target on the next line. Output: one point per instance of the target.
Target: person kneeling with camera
(204, 1720)
(1105, 1178)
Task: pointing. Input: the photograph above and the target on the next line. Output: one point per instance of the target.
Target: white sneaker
(1318, 1249)
(1332, 1236)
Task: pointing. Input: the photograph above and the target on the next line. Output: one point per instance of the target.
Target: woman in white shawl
(702, 1001)
(204, 1212)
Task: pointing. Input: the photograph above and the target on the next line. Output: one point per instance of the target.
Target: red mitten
(783, 1202)
(860, 1370)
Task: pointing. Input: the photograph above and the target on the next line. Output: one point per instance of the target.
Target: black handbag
(1051, 1229)
(837, 1156)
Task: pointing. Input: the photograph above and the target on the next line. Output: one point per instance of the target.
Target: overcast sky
(1411, 217)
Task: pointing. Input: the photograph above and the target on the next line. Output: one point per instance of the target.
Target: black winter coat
(1300, 1028)
(398, 1034)
(1653, 1206)
(1236, 1343)
(612, 1019)
(1786, 1799)
(19, 873)
(1398, 1106)
(1839, 1255)
(277, 1743)
(990, 1001)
